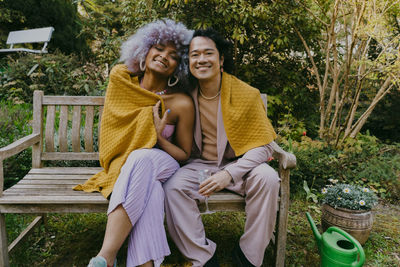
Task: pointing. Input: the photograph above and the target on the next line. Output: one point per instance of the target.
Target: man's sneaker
(213, 262)
(239, 259)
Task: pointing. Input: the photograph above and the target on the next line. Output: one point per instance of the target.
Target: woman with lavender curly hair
(140, 147)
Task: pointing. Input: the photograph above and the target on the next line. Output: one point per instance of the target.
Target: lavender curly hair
(163, 31)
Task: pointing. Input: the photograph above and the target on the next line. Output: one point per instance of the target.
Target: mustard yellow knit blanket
(243, 112)
(126, 125)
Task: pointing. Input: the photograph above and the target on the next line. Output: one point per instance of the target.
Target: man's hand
(215, 183)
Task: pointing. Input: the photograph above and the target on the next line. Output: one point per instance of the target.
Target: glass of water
(203, 175)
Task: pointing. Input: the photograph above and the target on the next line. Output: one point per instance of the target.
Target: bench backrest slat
(39, 35)
(98, 126)
(89, 129)
(63, 128)
(76, 129)
(49, 132)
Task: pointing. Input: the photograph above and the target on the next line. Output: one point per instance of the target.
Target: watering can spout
(314, 229)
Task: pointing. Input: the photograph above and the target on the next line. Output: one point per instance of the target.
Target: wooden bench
(64, 128)
(39, 35)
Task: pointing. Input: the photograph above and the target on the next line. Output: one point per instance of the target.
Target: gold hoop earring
(174, 83)
(142, 68)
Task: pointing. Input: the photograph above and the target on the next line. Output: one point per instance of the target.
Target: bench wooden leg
(283, 219)
(4, 261)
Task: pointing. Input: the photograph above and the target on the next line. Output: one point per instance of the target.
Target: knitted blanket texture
(243, 112)
(126, 125)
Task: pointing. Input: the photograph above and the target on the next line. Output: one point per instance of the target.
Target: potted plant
(348, 207)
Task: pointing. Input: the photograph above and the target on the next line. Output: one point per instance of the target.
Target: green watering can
(337, 247)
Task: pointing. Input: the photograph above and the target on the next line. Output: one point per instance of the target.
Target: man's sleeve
(249, 161)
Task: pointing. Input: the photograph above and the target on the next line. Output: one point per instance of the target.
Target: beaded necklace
(161, 92)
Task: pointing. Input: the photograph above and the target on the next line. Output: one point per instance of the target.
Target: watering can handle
(354, 241)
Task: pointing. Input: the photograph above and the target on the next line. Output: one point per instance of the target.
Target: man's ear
(221, 61)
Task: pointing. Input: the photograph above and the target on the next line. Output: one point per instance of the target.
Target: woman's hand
(158, 122)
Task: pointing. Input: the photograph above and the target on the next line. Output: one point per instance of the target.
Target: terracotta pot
(358, 223)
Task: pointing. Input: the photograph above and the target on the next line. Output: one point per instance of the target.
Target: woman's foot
(99, 261)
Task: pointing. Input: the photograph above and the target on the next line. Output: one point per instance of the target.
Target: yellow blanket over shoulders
(126, 125)
(243, 112)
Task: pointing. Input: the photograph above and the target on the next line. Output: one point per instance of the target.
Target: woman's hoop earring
(174, 83)
(142, 68)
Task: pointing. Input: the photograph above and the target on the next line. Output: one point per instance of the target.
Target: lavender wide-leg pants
(139, 190)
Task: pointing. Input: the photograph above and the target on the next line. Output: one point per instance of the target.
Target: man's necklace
(212, 97)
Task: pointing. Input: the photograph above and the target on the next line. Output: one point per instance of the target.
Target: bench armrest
(286, 160)
(19, 145)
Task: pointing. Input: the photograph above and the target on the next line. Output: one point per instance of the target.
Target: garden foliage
(15, 123)
(55, 74)
(363, 161)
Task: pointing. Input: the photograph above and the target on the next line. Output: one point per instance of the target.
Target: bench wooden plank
(71, 182)
(32, 189)
(54, 208)
(65, 199)
(65, 176)
(49, 132)
(89, 129)
(54, 186)
(99, 124)
(76, 129)
(37, 128)
(52, 192)
(74, 100)
(70, 156)
(63, 170)
(62, 130)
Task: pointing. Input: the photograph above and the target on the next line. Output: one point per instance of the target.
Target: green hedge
(55, 74)
(363, 161)
(15, 123)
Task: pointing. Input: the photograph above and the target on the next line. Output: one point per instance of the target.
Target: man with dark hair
(233, 139)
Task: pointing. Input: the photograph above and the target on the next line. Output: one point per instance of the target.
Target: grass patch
(72, 239)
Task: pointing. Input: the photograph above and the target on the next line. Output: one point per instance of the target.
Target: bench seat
(45, 187)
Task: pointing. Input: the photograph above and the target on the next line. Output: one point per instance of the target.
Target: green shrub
(55, 74)
(363, 161)
(15, 124)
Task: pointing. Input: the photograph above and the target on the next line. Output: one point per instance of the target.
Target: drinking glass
(203, 175)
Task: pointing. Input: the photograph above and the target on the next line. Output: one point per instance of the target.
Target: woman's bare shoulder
(183, 101)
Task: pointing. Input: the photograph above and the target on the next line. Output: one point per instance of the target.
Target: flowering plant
(349, 196)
